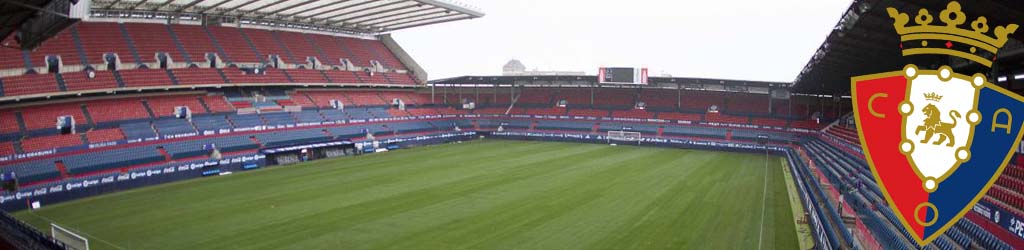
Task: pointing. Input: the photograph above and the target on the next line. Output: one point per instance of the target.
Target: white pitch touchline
(78, 231)
(764, 196)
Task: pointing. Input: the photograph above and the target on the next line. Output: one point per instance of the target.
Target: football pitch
(487, 194)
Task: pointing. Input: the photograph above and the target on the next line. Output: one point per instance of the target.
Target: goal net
(624, 137)
(68, 239)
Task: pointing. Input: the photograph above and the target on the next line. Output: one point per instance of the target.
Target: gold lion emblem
(933, 125)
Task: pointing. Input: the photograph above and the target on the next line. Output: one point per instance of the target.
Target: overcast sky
(750, 40)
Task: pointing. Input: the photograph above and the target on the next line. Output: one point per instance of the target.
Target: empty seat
(112, 110)
(137, 130)
(76, 81)
(104, 135)
(111, 159)
(145, 78)
(210, 122)
(173, 126)
(245, 121)
(28, 84)
(36, 144)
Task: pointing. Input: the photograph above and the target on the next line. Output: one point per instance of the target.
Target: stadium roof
(865, 42)
(592, 80)
(362, 16)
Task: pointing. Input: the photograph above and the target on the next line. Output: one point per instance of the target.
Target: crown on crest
(932, 97)
(950, 34)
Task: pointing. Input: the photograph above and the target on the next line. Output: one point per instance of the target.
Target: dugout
(309, 152)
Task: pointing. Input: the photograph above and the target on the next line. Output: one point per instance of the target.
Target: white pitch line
(77, 231)
(764, 196)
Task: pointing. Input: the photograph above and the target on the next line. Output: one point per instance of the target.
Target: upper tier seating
(306, 76)
(62, 45)
(99, 38)
(28, 84)
(195, 41)
(76, 81)
(659, 100)
(332, 49)
(618, 98)
(151, 39)
(271, 75)
(267, 45)
(300, 47)
(234, 44)
(10, 58)
(198, 76)
(145, 77)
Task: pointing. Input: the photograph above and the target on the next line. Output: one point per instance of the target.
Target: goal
(69, 240)
(624, 137)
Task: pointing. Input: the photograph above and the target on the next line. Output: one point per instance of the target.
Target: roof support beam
(361, 9)
(188, 5)
(237, 7)
(312, 9)
(417, 19)
(399, 18)
(351, 19)
(115, 2)
(162, 5)
(263, 7)
(440, 19)
(138, 4)
(315, 16)
(288, 8)
(390, 16)
(218, 4)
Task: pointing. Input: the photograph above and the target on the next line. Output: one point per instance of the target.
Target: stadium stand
(142, 126)
(145, 77)
(151, 39)
(28, 84)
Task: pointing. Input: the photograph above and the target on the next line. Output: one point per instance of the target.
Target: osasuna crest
(936, 139)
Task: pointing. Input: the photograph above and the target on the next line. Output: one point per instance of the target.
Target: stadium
(288, 124)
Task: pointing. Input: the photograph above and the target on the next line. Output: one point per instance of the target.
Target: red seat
(151, 39)
(116, 110)
(195, 42)
(7, 148)
(100, 38)
(75, 81)
(45, 117)
(197, 76)
(217, 104)
(104, 135)
(145, 77)
(163, 106)
(8, 122)
(37, 144)
(30, 84)
(231, 40)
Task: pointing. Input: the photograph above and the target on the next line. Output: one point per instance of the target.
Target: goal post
(68, 239)
(624, 137)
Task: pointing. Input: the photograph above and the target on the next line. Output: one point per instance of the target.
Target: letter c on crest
(871, 104)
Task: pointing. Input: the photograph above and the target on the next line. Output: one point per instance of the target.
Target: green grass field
(490, 194)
